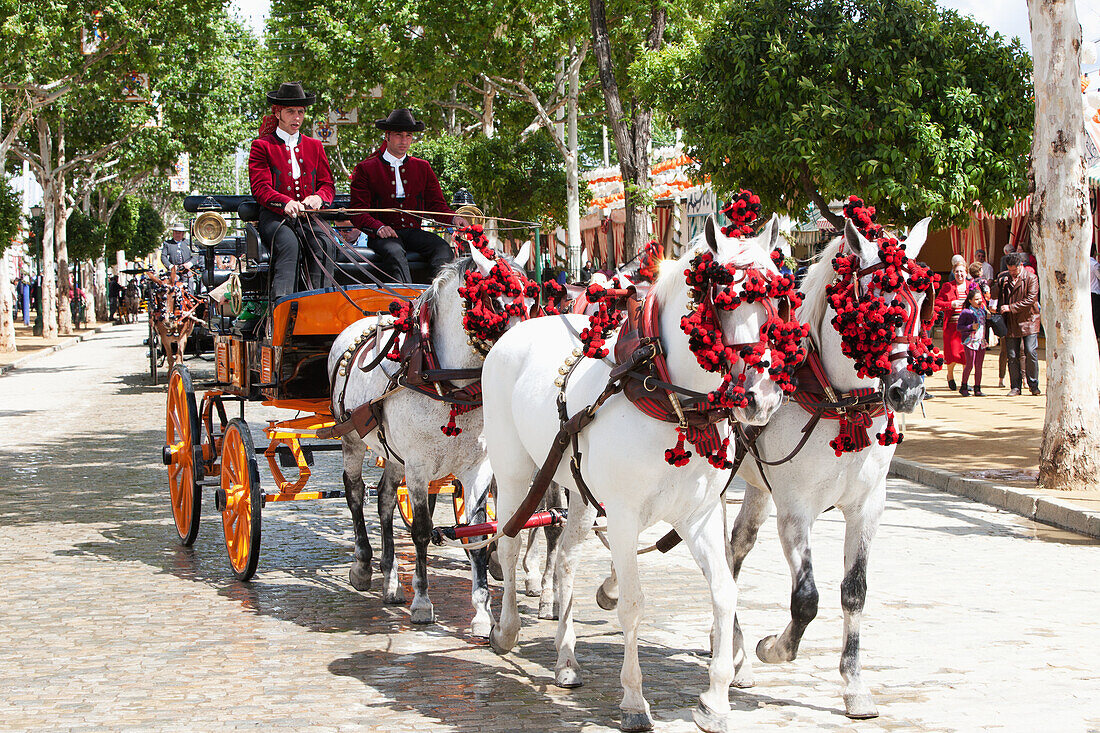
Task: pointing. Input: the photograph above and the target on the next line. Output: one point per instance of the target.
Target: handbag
(997, 324)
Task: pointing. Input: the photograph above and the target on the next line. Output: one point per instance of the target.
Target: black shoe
(1035, 392)
(952, 385)
(964, 391)
(978, 392)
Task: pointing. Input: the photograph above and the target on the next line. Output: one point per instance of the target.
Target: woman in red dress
(950, 300)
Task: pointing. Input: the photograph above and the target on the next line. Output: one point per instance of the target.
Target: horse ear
(918, 235)
(483, 263)
(778, 241)
(856, 242)
(523, 255)
(708, 232)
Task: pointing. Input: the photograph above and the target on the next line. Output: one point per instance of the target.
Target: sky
(1009, 17)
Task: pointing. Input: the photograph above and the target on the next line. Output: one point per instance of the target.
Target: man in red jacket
(393, 179)
(290, 174)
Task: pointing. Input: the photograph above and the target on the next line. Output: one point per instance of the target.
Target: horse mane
(818, 277)
(670, 279)
(447, 273)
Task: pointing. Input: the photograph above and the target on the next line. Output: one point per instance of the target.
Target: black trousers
(1030, 346)
(430, 246)
(285, 238)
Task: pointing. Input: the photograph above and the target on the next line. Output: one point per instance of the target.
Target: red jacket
(373, 187)
(269, 172)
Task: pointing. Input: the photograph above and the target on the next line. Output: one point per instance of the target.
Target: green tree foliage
(918, 110)
(122, 227)
(516, 179)
(10, 214)
(86, 236)
(148, 230)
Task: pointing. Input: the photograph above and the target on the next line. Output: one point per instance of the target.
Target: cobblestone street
(975, 619)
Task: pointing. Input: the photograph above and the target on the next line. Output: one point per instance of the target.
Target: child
(972, 330)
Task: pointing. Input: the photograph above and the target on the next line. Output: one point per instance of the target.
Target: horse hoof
(360, 576)
(548, 611)
(708, 720)
(423, 615)
(605, 601)
(394, 598)
(860, 706)
(531, 590)
(744, 680)
(635, 721)
(494, 567)
(497, 643)
(766, 651)
(481, 627)
(568, 678)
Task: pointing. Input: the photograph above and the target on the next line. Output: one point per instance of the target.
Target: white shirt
(292, 145)
(396, 163)
(1094, 275)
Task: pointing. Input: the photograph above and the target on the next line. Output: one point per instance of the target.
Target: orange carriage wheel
(404, 504)
(182, 454)
(240, 500)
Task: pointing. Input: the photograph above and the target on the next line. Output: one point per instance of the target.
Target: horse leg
(478, 481)
(392, 590)
(607, 595)
(532, 583)
(860, 524)
(548, 606)
(567, 672)
(706, 539)
(355, 451)
(794, 533)
(512, 479)
(623, 537)
(422, 610)
(755, 508)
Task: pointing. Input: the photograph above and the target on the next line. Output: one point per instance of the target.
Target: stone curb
(69, 341)
(1031, 504)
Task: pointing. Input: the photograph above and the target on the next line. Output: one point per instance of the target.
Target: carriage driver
(390, 178)
(290, 174)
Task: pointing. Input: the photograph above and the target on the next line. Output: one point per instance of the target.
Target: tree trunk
(64, 287)
(1061, 232)
(101, 309)
(48, 286)
(572, 176)
(632, 137)
(7, 316)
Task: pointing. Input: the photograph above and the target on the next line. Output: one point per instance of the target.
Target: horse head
(741, 323)
(496, 293)
(884, 301)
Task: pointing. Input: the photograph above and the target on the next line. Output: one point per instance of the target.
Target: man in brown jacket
(1018, 300)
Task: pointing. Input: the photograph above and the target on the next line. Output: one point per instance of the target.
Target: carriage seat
(352, 267)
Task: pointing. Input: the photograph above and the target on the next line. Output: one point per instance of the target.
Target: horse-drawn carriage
(271, 351)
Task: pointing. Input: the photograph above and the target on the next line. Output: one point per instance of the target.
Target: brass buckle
(646, 381)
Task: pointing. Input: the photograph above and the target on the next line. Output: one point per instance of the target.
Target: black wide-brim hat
(400, 120)
(291, 94)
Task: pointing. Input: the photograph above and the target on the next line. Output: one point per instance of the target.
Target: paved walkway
(976, 618)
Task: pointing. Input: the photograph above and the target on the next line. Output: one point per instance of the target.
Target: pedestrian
(986, 267)
(1094, 286)
(950, 301)
(289, 174)
(1018, 300)
(176, 250)
(114, 292)
(390, 178)
(972, 330)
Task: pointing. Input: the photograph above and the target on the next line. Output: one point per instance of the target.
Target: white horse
(623, 463)
(816, 479)
(416, 445)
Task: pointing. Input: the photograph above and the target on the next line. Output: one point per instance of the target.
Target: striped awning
(1020, 208)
